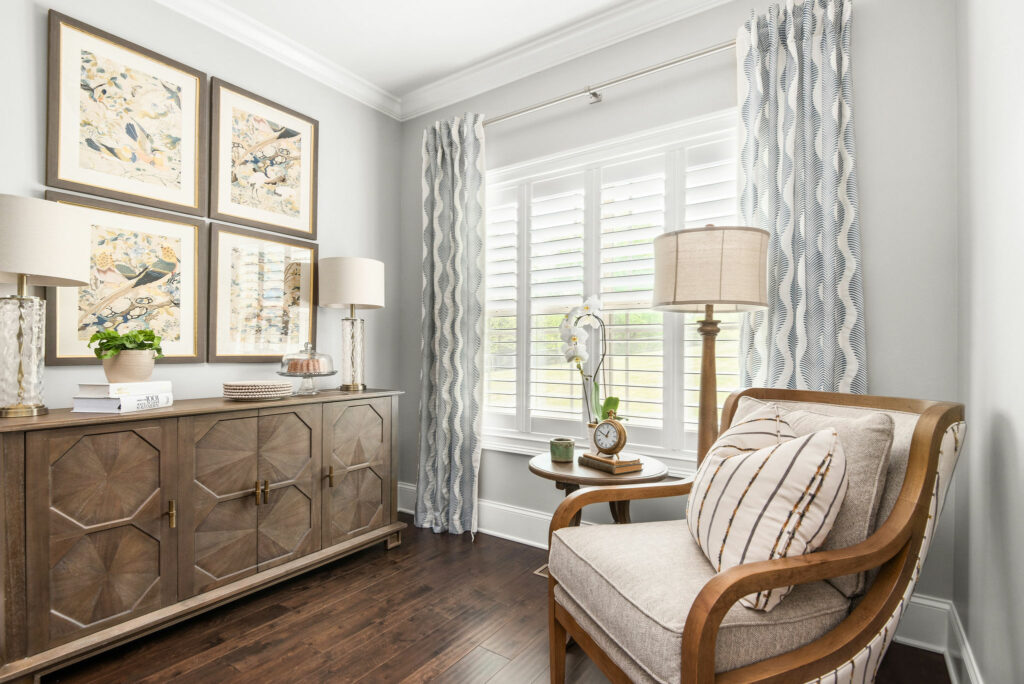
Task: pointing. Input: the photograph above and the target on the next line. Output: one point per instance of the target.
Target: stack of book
(615, 466)
(122, 397)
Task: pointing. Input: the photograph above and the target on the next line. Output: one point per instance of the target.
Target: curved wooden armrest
(700, 632)
(591, 495)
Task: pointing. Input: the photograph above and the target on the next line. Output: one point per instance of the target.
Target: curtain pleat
(798, 180)
(452, 325)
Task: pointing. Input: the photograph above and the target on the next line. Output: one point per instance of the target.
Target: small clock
(610, 436)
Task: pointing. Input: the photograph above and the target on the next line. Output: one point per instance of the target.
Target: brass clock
(610, 436)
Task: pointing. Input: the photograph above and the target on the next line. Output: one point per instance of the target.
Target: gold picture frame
(263, 163)
(124, 122)
(148, 270)
(262, 295)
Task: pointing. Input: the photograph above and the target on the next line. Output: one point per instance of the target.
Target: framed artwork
(147, 271)
(262, 295)
(124, 122)
(264, 161)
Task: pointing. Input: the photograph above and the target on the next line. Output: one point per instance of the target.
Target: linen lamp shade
(701, 270)
(47, 241)
(721, 265)
(351, 282)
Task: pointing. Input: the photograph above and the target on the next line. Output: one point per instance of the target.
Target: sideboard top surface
(58, 418)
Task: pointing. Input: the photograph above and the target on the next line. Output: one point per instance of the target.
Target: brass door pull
(266, 491)
(330, 477)
(172, 513)
(256, 492)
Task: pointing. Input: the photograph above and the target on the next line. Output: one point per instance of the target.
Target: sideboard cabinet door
(100, 549)
(220, 483)
(289, 467)
(357, 445)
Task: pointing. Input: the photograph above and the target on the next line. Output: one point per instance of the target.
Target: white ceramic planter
(130, 365)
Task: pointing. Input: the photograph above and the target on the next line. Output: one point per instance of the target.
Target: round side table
(571, 476)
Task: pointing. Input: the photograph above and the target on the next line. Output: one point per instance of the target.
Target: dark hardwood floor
(436, 608)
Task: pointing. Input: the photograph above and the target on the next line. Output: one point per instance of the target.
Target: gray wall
(358, 212)
(989, 590)
(904, 102)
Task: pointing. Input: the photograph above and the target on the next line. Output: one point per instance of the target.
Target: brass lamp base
(352, 388)
(23, 410)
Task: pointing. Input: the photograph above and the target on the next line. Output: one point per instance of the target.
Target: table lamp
(356, 283)
(49, 243)
(698, 269)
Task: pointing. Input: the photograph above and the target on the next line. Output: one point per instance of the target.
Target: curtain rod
(594, 92)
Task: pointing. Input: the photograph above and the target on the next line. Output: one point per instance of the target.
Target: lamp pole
(707, 430)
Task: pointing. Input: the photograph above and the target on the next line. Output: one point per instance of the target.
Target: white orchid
(591, 308)
(572, 334)
(575, 353)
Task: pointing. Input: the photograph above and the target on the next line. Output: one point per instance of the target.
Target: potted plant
(128, 357)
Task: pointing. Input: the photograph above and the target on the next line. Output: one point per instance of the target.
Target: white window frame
(522, 433)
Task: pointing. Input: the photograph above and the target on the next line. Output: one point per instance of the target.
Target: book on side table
(122, 389)
(615, 466)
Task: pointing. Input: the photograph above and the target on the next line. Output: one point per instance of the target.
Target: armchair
(641, 603)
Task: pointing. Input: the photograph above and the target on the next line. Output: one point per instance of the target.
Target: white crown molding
(594, 33)
(232, 23)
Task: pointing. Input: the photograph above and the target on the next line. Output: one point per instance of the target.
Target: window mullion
(592, 251)
(523, 310)
(672, 408)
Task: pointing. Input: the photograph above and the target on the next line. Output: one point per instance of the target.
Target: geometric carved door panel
(357, 450)
(289, 468)
(99, 543)
(219, 519)
(252, 503)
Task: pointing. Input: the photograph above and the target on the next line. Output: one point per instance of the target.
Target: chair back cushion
(749, 504)
(867, 441)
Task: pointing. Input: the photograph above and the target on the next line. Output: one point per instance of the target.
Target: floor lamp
(721, 268)
(41, 243)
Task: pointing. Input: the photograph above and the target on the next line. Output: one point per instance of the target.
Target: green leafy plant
(110, 343)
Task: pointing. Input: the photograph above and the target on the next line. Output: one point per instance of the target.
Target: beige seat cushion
(867, 441)
(637, 583)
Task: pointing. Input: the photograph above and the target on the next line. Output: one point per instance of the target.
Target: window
(578, 224)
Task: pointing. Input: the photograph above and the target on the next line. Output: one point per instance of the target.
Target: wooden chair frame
(893, 548)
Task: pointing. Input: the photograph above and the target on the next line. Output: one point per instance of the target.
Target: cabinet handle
(256, 492)
(172, 513)
(266, 491)
(330, 477)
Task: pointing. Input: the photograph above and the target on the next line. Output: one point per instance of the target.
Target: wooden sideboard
(114, 526)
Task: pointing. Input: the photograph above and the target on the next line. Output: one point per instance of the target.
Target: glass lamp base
(353, 344)
(22, 321)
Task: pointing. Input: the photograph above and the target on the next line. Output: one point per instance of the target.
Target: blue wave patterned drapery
(798, 180)
(452, 325)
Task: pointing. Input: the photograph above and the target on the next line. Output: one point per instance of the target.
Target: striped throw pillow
(763, 427)
(775, 501)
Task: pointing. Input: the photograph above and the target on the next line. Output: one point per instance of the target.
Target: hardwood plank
(476, 666)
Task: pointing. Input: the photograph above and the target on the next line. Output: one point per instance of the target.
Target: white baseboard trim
(929, 622)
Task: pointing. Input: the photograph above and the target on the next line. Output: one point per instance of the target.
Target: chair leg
(557, 642)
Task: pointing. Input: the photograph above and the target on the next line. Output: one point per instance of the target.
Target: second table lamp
(353, 283)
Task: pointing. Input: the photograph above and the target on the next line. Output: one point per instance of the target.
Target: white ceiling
(408, 57)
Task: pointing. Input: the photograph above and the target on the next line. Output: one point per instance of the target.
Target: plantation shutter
(632, 215)
(556, 285)
(500, 372)
(711, 197)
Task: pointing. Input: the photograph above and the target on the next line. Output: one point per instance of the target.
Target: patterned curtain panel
(798, 180)
(452, 325)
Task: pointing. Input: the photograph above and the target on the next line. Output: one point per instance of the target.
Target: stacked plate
(257, 390)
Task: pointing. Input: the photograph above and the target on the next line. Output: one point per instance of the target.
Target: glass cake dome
(306, 364)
